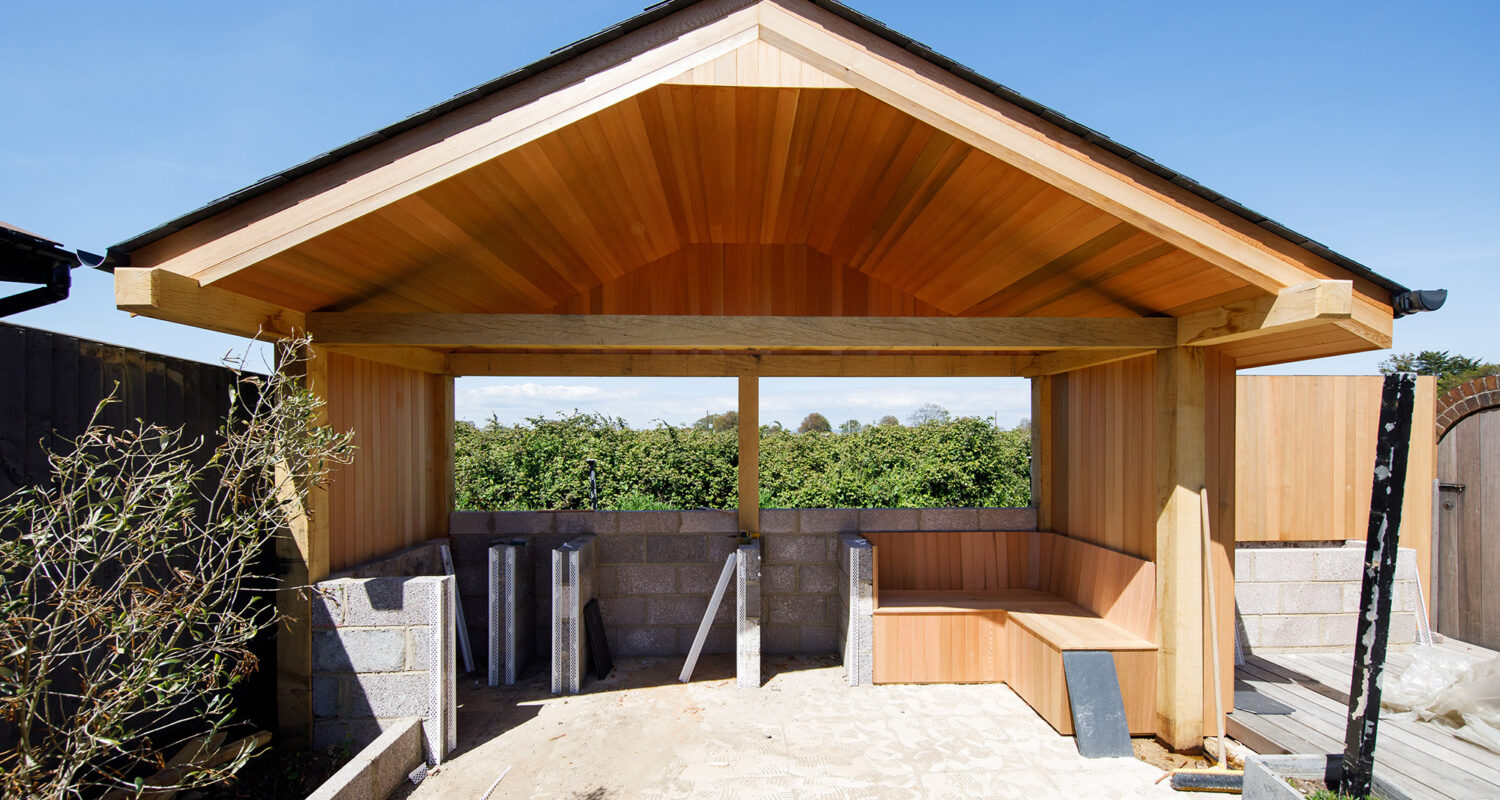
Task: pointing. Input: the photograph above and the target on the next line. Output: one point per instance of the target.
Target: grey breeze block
(383, 650)
(511, 620)
(747, 614)
(857, 598)
(575, 566)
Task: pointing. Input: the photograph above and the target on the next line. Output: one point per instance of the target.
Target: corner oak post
(749, 455)
(1181, 383)
(301, 560)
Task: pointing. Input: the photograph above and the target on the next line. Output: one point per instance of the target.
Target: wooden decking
(1424, 759)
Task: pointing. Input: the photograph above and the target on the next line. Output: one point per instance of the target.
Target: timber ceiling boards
(737, 178)
(740, 200)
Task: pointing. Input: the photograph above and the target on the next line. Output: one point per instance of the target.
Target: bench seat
(1014, 635)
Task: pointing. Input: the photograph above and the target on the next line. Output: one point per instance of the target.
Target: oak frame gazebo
(759, 188)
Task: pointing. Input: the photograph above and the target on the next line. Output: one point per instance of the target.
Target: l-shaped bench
(975, 607)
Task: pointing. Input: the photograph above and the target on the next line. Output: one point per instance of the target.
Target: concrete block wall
(857, 603)
(657, 569)
(383, 649)
(1307, 598)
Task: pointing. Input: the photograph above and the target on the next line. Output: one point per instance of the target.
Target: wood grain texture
(1295, 307)
(1468, 590)
(717, 365)
(747, 458)
(1181, 456)
(1305, 455)
(396, 493)
(970, 606)
(1102, 422)
(727, 333)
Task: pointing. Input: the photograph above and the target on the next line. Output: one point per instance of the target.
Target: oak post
(749, 455)
(1041, 450)
(1180, 474)
(301, 560)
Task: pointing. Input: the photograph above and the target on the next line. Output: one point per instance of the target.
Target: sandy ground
(805, 734)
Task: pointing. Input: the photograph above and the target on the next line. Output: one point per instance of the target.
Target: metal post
(1391, 446)
(593, 485)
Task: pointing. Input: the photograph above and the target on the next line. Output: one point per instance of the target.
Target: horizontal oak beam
(417, 358)
(1070, 360)
(166, 295)
(1300, 306)
(717, 365)
(739, 333)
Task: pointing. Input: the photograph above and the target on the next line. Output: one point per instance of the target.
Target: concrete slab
(805, 734)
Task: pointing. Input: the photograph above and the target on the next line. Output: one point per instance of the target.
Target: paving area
(805, 734)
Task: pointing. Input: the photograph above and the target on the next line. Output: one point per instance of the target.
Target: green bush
(964, 462)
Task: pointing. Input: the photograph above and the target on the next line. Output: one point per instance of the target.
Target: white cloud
(642, 402)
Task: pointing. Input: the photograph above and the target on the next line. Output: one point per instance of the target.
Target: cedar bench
(979, 607)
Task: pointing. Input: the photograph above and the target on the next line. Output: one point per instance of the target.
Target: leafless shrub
(129, 590)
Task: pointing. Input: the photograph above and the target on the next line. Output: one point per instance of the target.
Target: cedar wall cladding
(657, 569)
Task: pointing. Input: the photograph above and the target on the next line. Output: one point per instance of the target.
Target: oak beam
(1181, 464)
(1070, 360)
(166, 295)
(721, 365)
(749, 454)
(1306, 304)
(420, 359)
(735, 333)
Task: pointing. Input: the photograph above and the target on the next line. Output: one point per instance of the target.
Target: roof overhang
(780, 158)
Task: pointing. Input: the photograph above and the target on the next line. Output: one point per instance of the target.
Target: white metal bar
(458, 614)
(708, 619)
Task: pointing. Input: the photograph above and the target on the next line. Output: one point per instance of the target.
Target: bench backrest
(955, 560)
(1117, 587)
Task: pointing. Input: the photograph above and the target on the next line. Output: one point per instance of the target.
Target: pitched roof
(119, 253)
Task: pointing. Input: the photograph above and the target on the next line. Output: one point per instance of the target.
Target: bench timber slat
(980, 607)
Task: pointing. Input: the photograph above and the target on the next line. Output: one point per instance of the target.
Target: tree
(1451, 370)
(815, 423)
(928, 412)
(132, 591)
(890, 421)
(851, 426)
(728, 421)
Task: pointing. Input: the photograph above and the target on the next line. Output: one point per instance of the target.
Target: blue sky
(1369, 126)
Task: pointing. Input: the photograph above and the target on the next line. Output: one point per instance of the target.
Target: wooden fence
(51, 383)
(1305, 457)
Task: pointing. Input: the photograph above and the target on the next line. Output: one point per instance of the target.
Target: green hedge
(541, 465)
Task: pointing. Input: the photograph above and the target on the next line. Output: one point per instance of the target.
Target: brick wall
(657, 569)
(1307, 598)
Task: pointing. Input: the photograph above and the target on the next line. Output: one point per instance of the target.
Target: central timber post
(1181, 472)
(749, 454)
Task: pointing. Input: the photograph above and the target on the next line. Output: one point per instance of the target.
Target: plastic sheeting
(1449, 689)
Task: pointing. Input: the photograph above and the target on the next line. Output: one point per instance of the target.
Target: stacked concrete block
(657, 569)
(575, 569)
(1307, 598)
(747, 612)
(857, 600)
(511, 617)
(383, 650)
